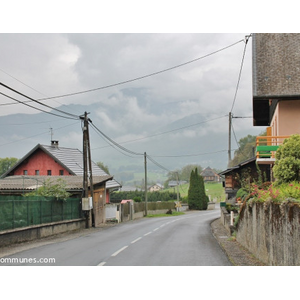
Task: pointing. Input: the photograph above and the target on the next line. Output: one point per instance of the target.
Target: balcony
(266, 147)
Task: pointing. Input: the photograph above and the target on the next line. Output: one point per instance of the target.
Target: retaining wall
(25, 234)
(271, 231)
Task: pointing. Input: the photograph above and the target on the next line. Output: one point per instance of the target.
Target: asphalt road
(184, 240)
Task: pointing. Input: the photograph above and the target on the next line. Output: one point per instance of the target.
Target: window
(25, 172)
(61, 172)
(49, 172)
(37, 172)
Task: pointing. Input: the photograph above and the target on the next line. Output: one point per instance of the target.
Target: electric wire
(165, 132)
(29, 137)
(189, 155)
(239, 147)
(43, 104)
(36, 108)
(157, 164)
(112, 141)
(240, 73)
(141, 77)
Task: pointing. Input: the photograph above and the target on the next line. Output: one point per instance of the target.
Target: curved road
(168, 241)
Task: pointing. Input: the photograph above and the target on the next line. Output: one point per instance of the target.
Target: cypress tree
(197, 199)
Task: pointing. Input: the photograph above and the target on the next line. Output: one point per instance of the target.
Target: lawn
(214, 190)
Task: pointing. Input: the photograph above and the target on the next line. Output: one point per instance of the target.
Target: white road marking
(155, 229)
(120, 250)
(148, 233)
(136, 240)
(102, 264)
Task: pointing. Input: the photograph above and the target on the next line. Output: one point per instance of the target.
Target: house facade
(209, 175)
(276, 90)
(156, 187)
(276, 101)
(53, 160)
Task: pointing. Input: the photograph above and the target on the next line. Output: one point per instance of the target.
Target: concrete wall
(271, 231)
(286, 120)
(30, 233)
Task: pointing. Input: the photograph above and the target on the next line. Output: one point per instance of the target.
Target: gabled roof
(70, 158)
(246, 162)
(73, 183)
(208, 172)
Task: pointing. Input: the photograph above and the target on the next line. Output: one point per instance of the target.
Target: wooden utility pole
(146, 200)
(229, 139)
(87, 166)
(177, 177)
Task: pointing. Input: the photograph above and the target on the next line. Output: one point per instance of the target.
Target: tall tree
(6, 164)
(197, 198)
(102, 166)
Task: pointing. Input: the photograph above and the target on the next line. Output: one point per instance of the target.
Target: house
(174, 183)
(276, 101)
(210, 176)
(276, 91)
(242, 174)
(156, 187)
(53, 160)
(20, 184)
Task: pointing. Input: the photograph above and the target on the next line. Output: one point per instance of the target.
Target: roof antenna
(51, 132)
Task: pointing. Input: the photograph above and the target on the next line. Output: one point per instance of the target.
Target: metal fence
(19, 211)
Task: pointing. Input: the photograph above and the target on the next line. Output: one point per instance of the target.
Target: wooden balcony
(266, 147)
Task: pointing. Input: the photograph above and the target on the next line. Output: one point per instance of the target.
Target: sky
(202, 92)
(166, 94)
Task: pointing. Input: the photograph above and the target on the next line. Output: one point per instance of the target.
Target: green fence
(19, 211)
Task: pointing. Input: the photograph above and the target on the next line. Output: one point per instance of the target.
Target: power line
(39, 109)
(141, 77)
(22, 82)
(240, 73)
(113, 142)
(26, 138)
(157, 164)
(165, 132)
(19, 93)
(189, 155)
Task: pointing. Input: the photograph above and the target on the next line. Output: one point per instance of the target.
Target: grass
(174, 214)
(214, 190)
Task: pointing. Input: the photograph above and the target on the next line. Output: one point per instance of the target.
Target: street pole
(146, 200)
(85, 167)
(90, 169)
(229, 139)
(177, 186)
(177, 208)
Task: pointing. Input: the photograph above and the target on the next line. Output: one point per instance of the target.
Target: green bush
(241, 193)
(287, 164)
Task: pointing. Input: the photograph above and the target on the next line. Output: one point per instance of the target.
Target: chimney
(54, 144)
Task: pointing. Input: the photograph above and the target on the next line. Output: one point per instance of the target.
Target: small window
(37, 172)
(25, 172)
(49, 172)
(61, 172)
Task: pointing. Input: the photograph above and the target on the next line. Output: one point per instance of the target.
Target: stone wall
(271, 231)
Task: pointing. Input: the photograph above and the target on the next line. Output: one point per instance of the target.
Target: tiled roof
(208, 172)
(33, 182)
(71, 159)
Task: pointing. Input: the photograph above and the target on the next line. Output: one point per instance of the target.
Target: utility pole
(229, 139)
(146, 200)
(90, 169)
(86, 157)
(177, 177)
